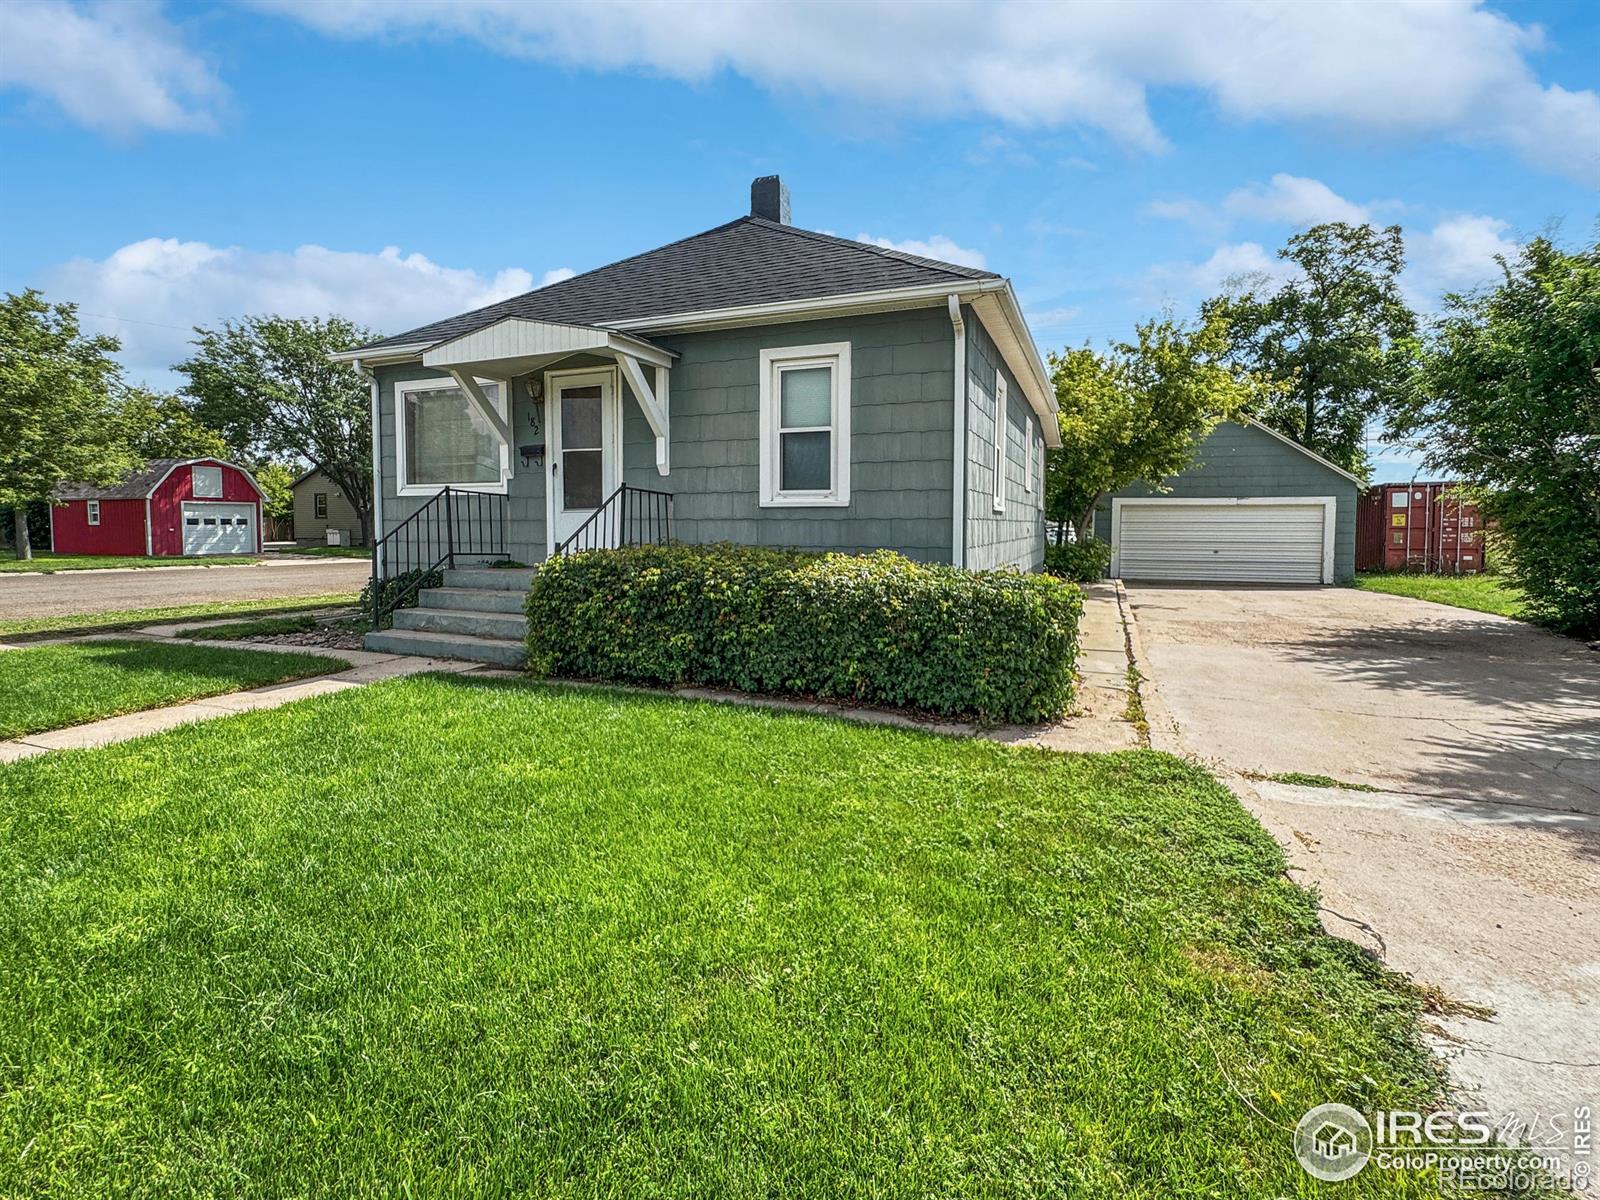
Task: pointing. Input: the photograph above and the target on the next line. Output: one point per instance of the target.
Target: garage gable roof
(1250, 422)
(140, 483)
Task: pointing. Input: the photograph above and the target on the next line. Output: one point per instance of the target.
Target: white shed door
(219, 528)
(1261, 542)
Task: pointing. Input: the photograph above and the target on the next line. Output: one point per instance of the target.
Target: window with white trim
(442, 439)
(1000, 424)
(94, 512)
(206, 482)
(805, 425)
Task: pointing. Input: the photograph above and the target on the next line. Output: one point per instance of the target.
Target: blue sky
(172, 165)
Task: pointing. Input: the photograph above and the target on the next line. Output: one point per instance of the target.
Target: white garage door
(1254, 541)
(219, 528)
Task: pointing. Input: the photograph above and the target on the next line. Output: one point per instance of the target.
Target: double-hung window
(1001, 423)
(94, 512)
(319, 506)
(444, 440)
(805, 425)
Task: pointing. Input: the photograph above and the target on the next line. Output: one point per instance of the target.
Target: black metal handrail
(630, 516)
(456, 521)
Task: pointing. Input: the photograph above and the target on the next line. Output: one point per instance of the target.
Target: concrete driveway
(69, 592)
(1476, 867)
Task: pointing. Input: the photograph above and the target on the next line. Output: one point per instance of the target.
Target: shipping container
(1425, 527)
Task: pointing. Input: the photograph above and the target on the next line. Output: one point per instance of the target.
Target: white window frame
(1001, 424)
(94, 512)
(402, 387)
(205, 471)
(836, 356)
(1027, 454)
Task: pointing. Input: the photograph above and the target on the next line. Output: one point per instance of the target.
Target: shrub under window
(877, 628)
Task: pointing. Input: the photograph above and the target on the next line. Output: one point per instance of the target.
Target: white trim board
(1328, 504)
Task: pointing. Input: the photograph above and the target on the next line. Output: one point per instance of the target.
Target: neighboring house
(171, 506)
(785, 387)
(1253, 507)
(319, 506)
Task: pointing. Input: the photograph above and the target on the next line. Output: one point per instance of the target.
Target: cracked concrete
(1476, 866)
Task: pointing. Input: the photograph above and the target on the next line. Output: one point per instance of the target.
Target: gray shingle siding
(901, 433)
(1014, 537)
(1239, 461)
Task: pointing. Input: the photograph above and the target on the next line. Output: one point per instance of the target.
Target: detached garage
(1253, 507)
(172, 507)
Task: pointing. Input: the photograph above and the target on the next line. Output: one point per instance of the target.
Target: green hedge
(1081, 561)
(877, 628)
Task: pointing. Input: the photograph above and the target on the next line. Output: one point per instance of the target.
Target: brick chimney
(769, 198)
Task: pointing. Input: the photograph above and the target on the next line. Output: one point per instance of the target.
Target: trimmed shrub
(1082, 561)
(875, 629)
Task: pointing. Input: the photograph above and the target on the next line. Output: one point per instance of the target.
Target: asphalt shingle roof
(747, 261)
(134, 486)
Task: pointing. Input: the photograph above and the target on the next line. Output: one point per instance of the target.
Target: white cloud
(938, 246)
(115, 68)
(1186, 209)
(556, 275)
(1458, 253)
(1294, 200)
(152, 292)
(1409, 68)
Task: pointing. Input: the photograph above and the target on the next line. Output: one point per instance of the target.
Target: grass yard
(128, 618)
(238, 631)
(1481, 593)
(445, 936)
(45, 562)
(51, 687)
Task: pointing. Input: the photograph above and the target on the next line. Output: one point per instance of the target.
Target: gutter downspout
(377, 469)
(958, 479)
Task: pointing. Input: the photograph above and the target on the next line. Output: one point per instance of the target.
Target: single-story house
(319, 506)
(1253, 507)
(170, 506)
(757, 383)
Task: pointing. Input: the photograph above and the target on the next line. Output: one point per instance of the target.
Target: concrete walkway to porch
(365, 667)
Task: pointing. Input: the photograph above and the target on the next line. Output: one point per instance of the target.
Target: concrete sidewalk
(364, 668)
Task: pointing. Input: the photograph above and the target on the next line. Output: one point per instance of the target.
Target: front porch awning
(519, 345)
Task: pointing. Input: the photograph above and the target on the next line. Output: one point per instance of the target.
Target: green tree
(1137, 411)
(58, 421)
(1337, 338)
(1508, 401)
(266, 383)
(161, 425)
(277, 481)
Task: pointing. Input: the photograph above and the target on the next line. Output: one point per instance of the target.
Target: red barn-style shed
(171, 508)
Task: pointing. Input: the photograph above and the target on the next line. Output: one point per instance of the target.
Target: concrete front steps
(475, 616)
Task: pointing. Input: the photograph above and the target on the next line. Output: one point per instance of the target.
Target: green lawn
(49, 687)
(238, 631)
(1481, 593)
(126, 618)
(444, 936)
(45, 562)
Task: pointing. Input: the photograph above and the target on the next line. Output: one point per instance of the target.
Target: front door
(584, 445)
